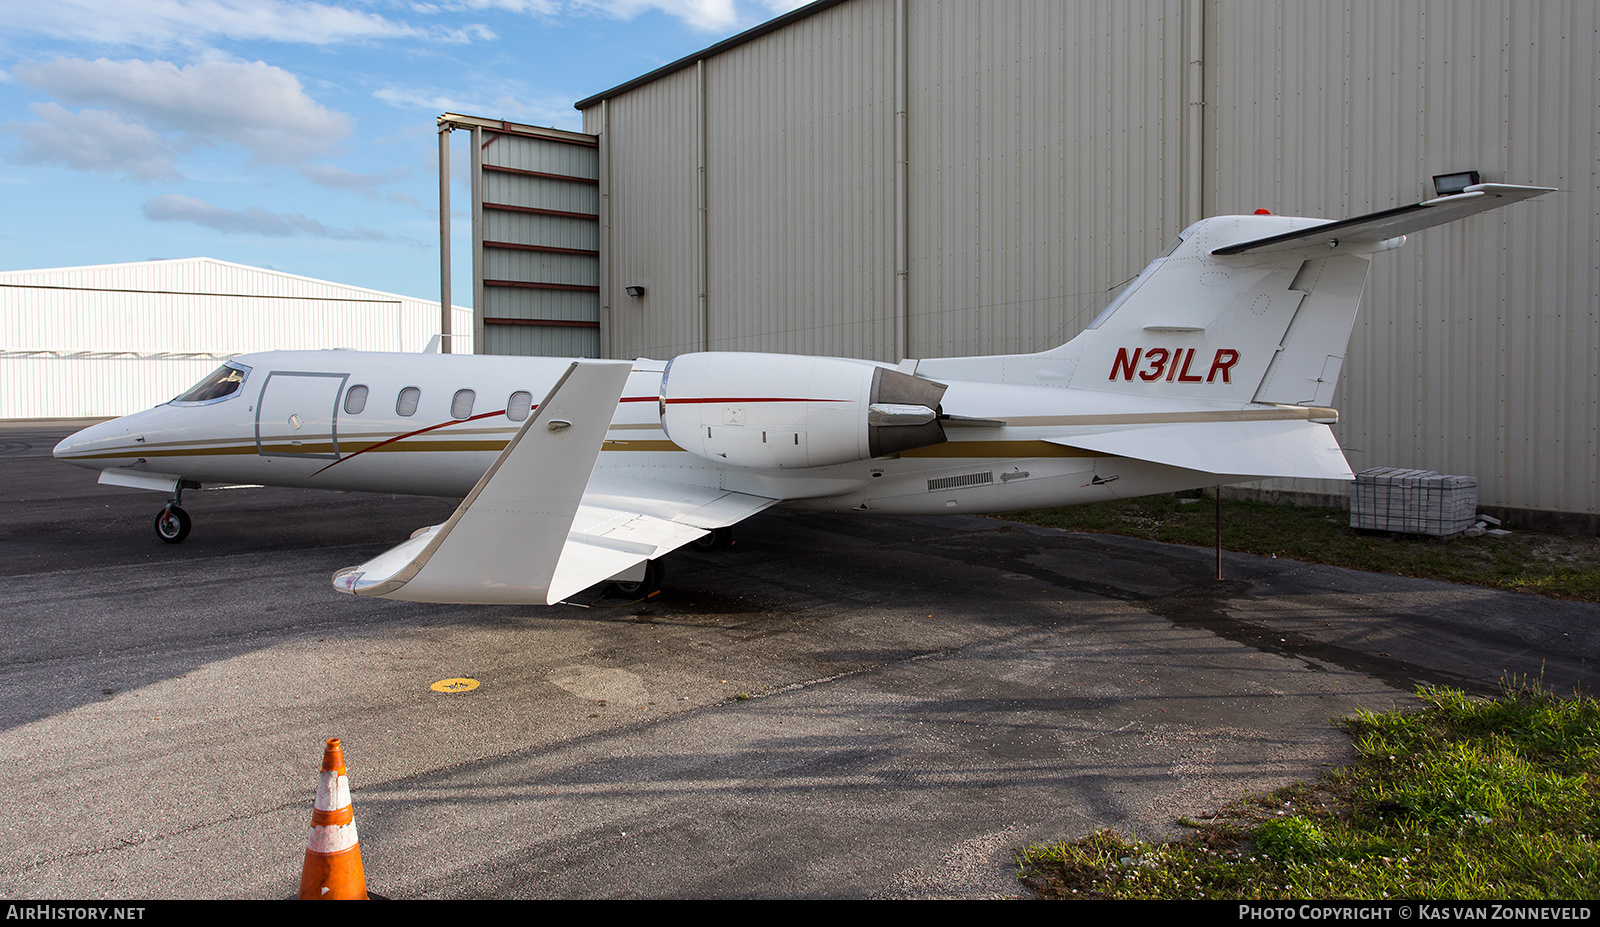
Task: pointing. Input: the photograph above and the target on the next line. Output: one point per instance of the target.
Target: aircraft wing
(540, 525)
(624, 522)
(1258, 449)
(1392, 223)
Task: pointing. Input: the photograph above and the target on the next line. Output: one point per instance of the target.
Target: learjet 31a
(1215, 365)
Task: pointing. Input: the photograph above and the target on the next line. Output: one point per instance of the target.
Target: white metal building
(116, 338)
(920, 178)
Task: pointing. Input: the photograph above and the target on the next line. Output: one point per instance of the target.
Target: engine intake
(786, 411)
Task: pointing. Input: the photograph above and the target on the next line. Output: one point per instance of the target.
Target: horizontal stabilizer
(1259, 449)
(1379, 227)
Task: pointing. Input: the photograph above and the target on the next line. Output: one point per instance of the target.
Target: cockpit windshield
(222, 383)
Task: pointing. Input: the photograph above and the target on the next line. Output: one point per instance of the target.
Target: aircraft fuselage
(404, 423)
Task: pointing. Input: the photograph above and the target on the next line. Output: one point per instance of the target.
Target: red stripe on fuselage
(749, 399)
(422, 431)
(419, 431)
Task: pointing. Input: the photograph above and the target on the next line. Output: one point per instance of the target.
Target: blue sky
(291, 134)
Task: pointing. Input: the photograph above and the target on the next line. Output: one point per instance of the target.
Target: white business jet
(1216, 365)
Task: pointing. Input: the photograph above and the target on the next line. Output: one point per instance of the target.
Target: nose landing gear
(172, 522)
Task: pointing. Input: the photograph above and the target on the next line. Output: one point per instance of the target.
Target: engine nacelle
(787, 411)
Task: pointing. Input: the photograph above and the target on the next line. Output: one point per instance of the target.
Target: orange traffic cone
(333, 856)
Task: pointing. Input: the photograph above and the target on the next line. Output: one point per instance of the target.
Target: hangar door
(535, 237)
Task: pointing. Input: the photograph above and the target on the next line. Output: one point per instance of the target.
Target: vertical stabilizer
(1265, 328)
(1253, 308)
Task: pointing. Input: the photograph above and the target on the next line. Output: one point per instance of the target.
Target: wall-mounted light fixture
(635, 291)
(1450, 184)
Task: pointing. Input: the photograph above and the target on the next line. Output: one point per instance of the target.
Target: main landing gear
(654, 574)
(172, 522)
(718, 539)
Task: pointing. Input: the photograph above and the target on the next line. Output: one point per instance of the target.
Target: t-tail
(1253, 309)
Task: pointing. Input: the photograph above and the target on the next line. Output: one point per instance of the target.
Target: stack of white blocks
(1413, 502)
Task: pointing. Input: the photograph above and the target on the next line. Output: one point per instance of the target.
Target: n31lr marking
(1172, 366)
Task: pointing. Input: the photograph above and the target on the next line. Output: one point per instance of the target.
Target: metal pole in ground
(1218, 494)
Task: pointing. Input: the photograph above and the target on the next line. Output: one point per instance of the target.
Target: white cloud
(95, 140)
(368, 185)
(410, 98)
(704, 15)
(255, 221)
(193, 24)
(520, 7)
(252, 104)
(187, 23)
(505, 103)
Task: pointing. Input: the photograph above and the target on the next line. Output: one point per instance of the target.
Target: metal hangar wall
(921, 178)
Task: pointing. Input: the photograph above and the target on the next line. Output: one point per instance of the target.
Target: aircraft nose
(72, 444)
(96, 439)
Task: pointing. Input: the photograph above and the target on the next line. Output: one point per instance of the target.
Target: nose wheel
(173, 524)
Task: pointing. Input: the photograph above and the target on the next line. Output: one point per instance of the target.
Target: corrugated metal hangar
(895, 179)
(116, 338)
(922, 178)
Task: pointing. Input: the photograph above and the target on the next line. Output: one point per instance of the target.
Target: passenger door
(297, 415)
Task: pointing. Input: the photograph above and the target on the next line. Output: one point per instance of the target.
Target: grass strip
(1554, 565)
(1464, 799)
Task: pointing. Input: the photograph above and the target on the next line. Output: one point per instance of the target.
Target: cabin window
(220, 384)
(407, 403)
(518, 406)
(461, 405)
(355, 399)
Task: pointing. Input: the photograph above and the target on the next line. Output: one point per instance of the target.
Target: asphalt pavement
(839, 706)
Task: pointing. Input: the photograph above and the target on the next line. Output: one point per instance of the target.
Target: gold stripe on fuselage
(985, 449)
(949, 449)
(380, 442)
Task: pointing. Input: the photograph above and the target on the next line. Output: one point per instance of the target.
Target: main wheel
(173, 524)
(718, 539)
(654, 573)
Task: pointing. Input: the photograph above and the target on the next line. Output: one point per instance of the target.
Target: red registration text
(1173, 365)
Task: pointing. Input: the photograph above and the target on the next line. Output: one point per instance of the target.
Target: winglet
(504, 541)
